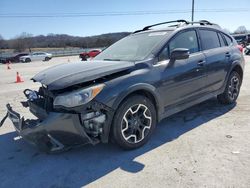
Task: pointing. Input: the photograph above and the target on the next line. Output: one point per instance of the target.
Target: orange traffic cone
(18, 78)
(8, 66)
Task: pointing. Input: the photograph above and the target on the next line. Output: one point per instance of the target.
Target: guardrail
(67, 52)
(57, 53)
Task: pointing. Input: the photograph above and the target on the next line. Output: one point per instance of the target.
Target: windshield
(132, 48)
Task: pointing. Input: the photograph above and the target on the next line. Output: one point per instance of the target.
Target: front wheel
(232, 89)
(27, 60)
(134, 122)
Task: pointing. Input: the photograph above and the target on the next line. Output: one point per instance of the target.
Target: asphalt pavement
(204, 146)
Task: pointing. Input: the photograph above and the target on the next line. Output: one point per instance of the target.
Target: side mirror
(179, 53)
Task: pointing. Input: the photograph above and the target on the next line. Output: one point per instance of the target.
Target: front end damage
(57, 129)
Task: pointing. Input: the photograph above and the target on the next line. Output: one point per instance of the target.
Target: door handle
(201, 62)
(228, 54)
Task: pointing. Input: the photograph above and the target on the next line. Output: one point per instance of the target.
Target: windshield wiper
(111, 59)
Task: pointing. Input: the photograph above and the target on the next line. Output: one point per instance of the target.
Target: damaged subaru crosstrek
(125, 90)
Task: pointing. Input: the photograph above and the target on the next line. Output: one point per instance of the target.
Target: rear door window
(209, 39)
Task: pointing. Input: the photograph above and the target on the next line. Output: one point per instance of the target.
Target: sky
(92, 17)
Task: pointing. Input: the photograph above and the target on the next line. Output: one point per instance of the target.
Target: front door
(35, 56)
(184, 80)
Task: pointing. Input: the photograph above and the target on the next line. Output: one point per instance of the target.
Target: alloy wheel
(136, 123)
(233, 88)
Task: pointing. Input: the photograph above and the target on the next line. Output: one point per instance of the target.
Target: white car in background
(36, 56)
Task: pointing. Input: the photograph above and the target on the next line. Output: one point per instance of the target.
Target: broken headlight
(78, 97)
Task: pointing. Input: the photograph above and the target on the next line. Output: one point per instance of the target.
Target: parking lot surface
(204, 146)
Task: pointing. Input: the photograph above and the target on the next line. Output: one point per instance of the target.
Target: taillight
(240, 48)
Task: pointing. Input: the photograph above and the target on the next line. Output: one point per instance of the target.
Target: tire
(46, 59)
(27, 60)
(84, 58)
(232, 89)
(247, 52)
(134, 122)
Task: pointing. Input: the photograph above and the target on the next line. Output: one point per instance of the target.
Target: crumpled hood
(65, 75)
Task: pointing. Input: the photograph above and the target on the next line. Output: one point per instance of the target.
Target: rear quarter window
(222, 41)
(228, 40)
(209, 39)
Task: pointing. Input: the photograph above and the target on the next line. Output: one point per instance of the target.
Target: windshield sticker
(157, 33)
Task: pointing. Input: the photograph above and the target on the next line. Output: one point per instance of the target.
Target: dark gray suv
(130, 86)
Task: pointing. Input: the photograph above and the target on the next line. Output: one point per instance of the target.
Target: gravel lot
(203, 146)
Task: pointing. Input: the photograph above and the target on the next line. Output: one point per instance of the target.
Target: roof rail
(201, 22)
(204, 22)
(162, 23)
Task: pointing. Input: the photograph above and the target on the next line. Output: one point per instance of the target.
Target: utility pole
(192, 19)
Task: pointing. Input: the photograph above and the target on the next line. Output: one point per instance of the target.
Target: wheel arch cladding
(237, 68)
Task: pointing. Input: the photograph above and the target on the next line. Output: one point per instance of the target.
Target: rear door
(185, 79)
(35, 56)
(217, 57)
(41, 56)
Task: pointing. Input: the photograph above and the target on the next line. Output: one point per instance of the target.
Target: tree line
(26, 41)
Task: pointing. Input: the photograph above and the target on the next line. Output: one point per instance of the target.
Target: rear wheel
(232, 89)
(84, 58)
(247, 52)
(46, 59)
(134, 122)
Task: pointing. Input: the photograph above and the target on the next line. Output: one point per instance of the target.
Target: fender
(114, 104)
(141, 87)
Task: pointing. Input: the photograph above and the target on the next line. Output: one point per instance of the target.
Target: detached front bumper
(58, 131)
